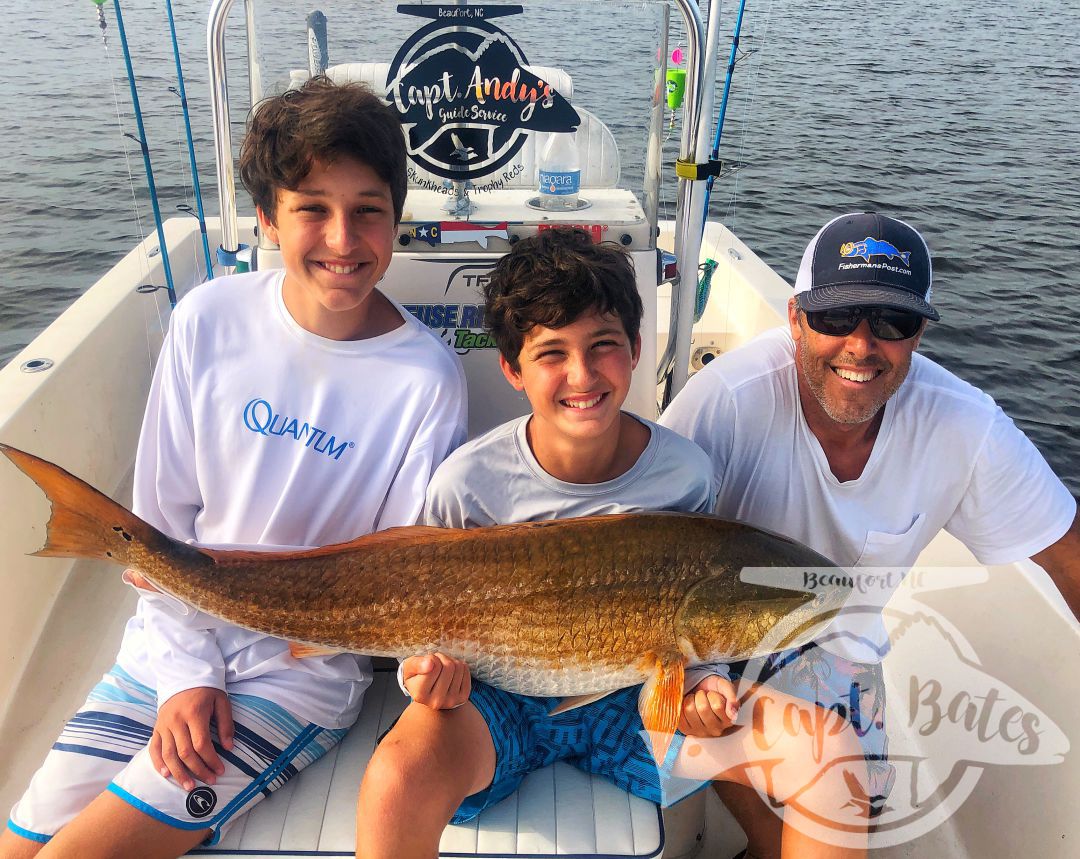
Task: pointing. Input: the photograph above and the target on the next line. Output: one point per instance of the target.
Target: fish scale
(565, 607)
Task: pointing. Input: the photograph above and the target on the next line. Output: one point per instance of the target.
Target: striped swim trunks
(104, 747)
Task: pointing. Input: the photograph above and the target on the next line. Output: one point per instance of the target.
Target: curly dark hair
(320, 121)
(553, 278)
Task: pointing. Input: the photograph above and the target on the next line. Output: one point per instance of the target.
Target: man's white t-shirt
(259, 433)
(946, 456)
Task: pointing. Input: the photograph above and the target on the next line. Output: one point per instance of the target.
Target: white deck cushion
(558, 810)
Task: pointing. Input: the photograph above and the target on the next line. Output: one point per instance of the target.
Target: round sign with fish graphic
(466, 95)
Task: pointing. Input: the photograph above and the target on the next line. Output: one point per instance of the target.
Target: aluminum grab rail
(687, 228)
(219, 109)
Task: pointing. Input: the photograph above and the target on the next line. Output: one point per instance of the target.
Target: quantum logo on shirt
(260, 417)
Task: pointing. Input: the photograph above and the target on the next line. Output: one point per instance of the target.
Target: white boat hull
(61, 621)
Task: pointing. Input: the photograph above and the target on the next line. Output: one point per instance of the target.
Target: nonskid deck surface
(558, 810)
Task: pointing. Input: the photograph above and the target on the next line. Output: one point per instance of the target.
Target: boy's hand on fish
(709, 708)
(182, 746)
(436, 680)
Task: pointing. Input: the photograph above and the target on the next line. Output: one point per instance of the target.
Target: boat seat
(598, 153)
(557, 811)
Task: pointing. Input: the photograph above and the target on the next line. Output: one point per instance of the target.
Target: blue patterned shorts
(603, 738)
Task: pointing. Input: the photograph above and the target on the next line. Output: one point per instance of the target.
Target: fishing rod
(182, 94)
(723, 105)
(141, 140)
(318, 52)
(708, 268)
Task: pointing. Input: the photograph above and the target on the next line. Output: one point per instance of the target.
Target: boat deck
(558, 811)
(967, 793)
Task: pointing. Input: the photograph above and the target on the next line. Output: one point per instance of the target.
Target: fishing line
(749, 98)
(140, 231)
(141, 139)
(706, 269)
(181, 93)
(732, 60)
(144, 260)
(147, 327)
(148, 290)
(185, 207)
(731, 255)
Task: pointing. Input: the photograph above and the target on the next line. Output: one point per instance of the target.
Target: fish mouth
(807, 620)
(584, 403)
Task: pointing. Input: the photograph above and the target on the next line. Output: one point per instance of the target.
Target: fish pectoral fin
(660, 701)
(297, 650)
(572, 702)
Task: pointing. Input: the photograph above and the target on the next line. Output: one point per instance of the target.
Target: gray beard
(845, 413)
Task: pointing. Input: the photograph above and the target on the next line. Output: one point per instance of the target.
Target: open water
(961, 118)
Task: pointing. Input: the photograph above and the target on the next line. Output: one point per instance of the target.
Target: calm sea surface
(963, 119)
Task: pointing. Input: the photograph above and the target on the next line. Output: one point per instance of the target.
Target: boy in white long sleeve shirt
(288, 409)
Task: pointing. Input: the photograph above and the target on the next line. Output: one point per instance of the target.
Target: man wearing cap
(832, 431)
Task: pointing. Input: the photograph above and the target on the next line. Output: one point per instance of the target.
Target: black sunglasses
(886, 323)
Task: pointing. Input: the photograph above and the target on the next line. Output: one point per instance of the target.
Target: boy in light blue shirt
(566, 316)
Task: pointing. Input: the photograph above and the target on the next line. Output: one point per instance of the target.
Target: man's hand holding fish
(442, 682)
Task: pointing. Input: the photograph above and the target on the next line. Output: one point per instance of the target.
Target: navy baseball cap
(865, 259)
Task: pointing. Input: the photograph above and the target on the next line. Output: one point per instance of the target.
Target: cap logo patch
(870, 247)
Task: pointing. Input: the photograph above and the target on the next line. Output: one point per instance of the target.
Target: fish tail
(84, 522)
(905, 256)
